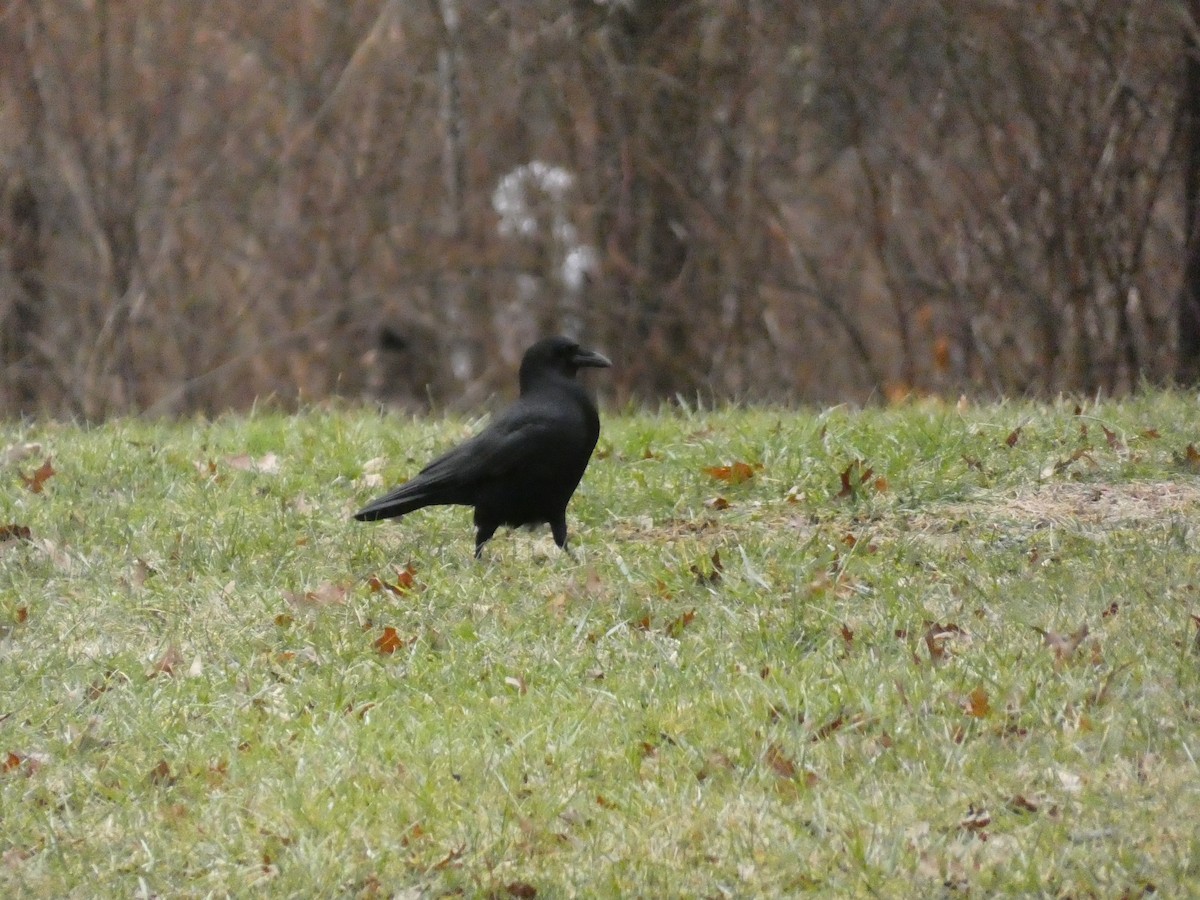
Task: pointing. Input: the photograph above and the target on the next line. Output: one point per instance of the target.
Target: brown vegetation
(205, 204)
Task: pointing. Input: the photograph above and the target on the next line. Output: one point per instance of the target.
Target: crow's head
(560, 355)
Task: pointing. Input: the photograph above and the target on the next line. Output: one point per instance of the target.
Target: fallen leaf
(975, 819)
(1114, 442)
(1111, 611)
(521, 889)
(22, 614)
(1064, 647)
(1189, 460)
(1020, 803)
(167, 663)
(518, 684)
(11, 761)
(206, 468)
(389, 642)
(1063, 464)
(15, 533)
(733, 474)
(779, 762)
(450, 858)
(717, 503)
(405, 581)
(326, 594)
(829, 728)
(161, 774)
(713, 576)
(977, 704)
(39, 477)
(675, 629)
(1013, 437)
(936, 636)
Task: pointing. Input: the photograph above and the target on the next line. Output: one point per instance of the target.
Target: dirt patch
(1093, 504)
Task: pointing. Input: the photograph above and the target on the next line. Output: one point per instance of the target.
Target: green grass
(858, 703)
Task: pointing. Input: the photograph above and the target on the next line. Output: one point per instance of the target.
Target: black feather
(523, 468)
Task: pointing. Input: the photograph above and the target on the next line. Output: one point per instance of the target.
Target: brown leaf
(1020, 803)
(976, 819)
(935, 639)
(15, 533)
(881, 484)
(1189, 459)
(206, 468)
(779, 762)
(1013, 437)
(405, 578)
(829, 728)
(713, 576)
(733, 474)
(39, 477)
(847, 636)
(161, 774)
(717, 503)
(405, 581)
(1064, 647)
(1077, 454)
(1114, 442)
(326, 594)
(11, 761)
(1111, 611)
(22, 614)
(1151, 434)
(518, 684)
(977, 704)
(715, 761)
(450, 858)
(166, 664)
(675, 629)
(521, 889)
(855, 475)
(389, 642)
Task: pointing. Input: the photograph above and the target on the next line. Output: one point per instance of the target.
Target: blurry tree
(1188, 361)
(207, 204)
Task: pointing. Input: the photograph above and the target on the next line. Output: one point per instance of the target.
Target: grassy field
(917, 651)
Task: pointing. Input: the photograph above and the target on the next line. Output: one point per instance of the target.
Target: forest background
(212, 204)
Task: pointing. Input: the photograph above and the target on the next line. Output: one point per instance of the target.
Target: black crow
(523, 468)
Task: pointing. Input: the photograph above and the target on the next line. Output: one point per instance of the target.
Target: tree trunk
(1187, 369)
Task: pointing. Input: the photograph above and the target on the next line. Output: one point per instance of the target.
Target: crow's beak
(590, 359)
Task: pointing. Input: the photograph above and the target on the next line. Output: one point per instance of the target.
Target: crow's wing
(521, 437)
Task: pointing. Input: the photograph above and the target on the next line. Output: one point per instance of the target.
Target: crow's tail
(409, 496)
